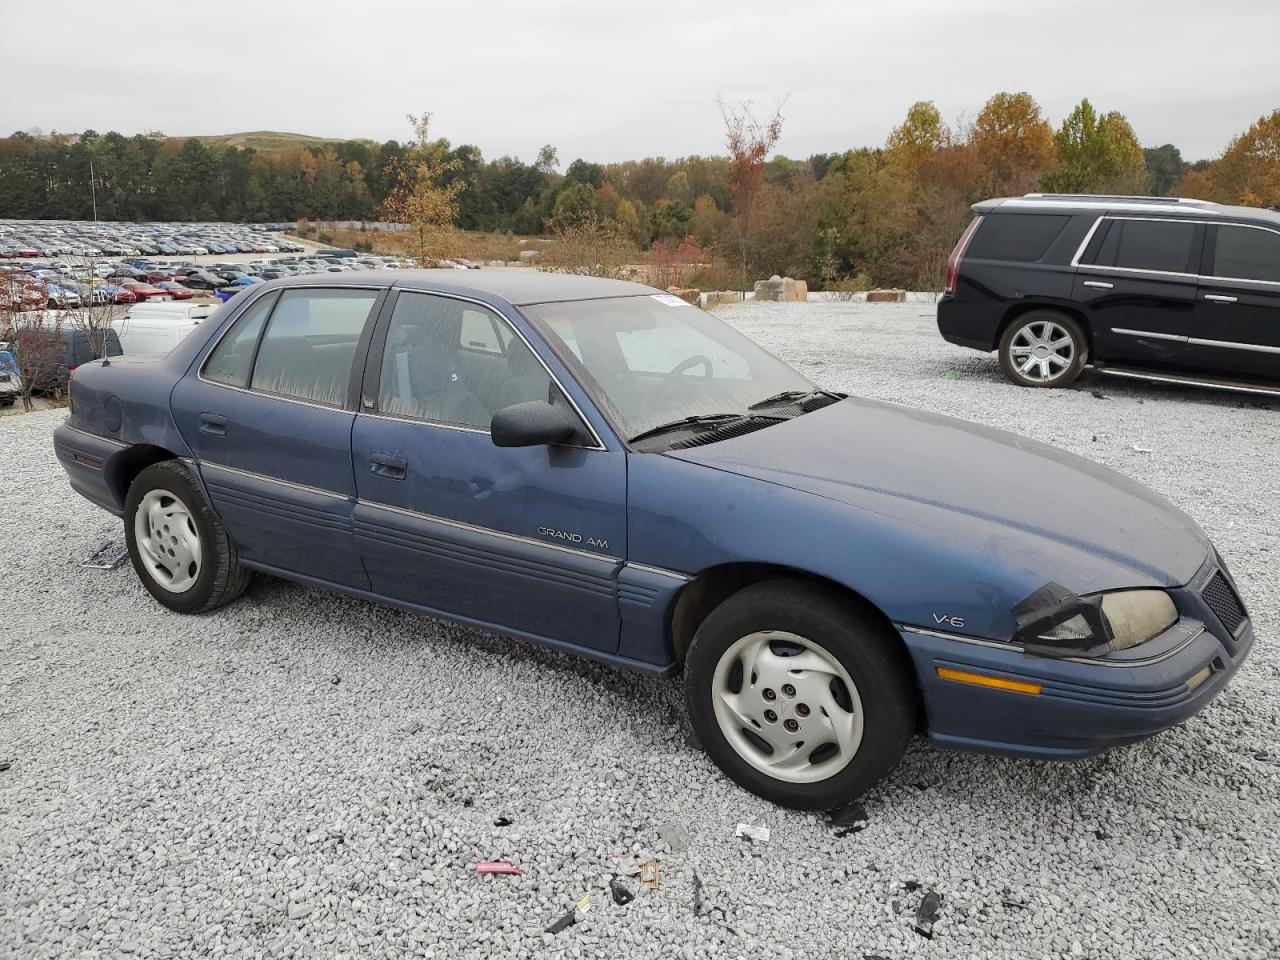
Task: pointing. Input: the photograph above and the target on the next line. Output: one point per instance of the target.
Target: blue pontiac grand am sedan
(600, 467)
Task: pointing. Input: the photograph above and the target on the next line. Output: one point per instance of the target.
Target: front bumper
(1085, 704)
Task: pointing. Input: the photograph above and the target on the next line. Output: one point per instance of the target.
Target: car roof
(520, 286)
(1174, 207)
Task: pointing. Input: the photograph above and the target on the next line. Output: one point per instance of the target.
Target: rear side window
(1162, 245)
(1247, 253)
(1022, 237)
(310, 343)
(232, 358)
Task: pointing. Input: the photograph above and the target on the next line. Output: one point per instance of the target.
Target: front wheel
(1043, 348)
(178, 546)
(799, 693)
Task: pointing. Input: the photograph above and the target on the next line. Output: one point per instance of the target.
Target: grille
(736, 428)
(1224, 603)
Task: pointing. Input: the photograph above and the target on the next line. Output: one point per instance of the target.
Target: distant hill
(265, 140)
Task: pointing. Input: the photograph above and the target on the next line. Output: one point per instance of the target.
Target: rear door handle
(1219, 298)
(1100, 284)
(214, 423)
(388, 466)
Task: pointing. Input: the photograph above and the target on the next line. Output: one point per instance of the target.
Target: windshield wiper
(787, 396)
(684, 422)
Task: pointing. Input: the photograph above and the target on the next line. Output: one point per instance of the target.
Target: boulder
(781, 289)
(718, 298)
(687, 294)
(886, 296)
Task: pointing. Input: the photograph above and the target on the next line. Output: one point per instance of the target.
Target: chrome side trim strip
(1149, 334)
(1253, 347)
(1189, 381)
(94, 436)
(1089, 661)
(660, 571)
(488, 531)
(302, 487)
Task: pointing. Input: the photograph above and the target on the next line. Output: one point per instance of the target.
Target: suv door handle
(214, 423)
(1219, 298)
(1100, 284)
(388, 466)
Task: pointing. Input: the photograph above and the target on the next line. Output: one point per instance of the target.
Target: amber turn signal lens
(985, 680)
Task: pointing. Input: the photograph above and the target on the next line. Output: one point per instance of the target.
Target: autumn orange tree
(1249, 171)
(750, 141)
(1014, 143)
(419, 198)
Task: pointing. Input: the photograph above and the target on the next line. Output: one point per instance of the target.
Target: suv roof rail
(1116, 197)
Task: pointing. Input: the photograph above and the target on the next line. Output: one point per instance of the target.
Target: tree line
(886, 214)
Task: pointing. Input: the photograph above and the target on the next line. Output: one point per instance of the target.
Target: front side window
(455, 362)
(1247, 253)
(1161, 245)
(656, 359)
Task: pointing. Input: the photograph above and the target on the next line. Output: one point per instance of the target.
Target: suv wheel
(178, 546)
(801, 695)
(1043, 348)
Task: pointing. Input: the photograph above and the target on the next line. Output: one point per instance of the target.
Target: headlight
(1054, 622)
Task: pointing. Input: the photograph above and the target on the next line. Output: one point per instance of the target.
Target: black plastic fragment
(698, 900)
(850, 819)
(1054, 604)
(5, 765)
(502, 822)
(928, 913)
(910, 885)
(621, 895)
(1100, 395)
(565, 922)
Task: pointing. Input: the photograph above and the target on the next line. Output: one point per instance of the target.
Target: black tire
(1033, 323)
(221, 578)
(848, 630)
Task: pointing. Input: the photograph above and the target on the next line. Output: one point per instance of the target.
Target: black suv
(1157, 288)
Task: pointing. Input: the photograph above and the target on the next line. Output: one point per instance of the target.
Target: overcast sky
(610, 82)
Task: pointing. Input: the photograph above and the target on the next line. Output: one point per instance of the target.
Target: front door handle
(214, 423)
(388, 466)
(1219, 298)
(1100, 284)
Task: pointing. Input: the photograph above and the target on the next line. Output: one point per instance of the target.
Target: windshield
(655, 359)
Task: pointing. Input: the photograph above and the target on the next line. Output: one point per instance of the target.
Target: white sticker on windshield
(670, 299)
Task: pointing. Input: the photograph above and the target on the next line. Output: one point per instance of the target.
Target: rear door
(1237, 322)
(269, 415)
(1136, 280)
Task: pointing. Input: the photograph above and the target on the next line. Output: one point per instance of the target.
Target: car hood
(963, 479)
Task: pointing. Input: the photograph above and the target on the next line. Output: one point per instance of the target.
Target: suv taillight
(953, 264)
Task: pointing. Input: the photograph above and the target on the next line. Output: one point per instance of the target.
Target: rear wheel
(1043, 348)
(800, 694)
(177, 544)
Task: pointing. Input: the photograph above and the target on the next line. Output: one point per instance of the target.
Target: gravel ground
(306, 775)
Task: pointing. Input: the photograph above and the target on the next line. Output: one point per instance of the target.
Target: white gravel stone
(183, 786)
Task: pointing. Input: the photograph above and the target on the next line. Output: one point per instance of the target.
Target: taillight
(953, 264)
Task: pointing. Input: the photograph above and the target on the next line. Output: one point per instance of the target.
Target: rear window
(1247, 253)
(1019, 236)
(1161, 245)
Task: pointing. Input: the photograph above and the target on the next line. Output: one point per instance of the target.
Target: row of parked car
(58, 238)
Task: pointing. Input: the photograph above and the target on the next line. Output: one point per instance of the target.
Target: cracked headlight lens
(1136, 616)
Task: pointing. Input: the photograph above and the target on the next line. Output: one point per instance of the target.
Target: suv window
(1020, 236)
(233, 356)
(1247, 253)
(452, 362)
(310, 342)
(1163, 245)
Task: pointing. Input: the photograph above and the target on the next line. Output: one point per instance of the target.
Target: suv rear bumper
(965, 324)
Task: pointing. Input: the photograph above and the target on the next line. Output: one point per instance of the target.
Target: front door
(1237, 325)
(1137, 283)
(526, 539)
(269, 416)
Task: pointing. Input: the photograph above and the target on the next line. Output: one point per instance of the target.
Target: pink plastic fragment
(498, 866)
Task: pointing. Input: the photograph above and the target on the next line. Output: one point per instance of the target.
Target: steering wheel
(688, 363)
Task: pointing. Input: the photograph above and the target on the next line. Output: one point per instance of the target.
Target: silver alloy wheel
(787, 706)
(1042, 351)
(167, 540)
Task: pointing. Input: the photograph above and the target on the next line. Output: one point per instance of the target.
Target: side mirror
(530, 424)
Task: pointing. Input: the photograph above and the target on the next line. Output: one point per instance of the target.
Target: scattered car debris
(910, 885)
(335, 679)
(1015, 904)
(583, 903)
(699, 900)
(928, 913)
(649, 874)
(951, 375)
(850, 819)
(565, 922)
(1100, 395)
(106, 556)
(498, 866)
(502, 822)
(5, 765)
(621, 895)
(756, 833)
(1139, 448)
